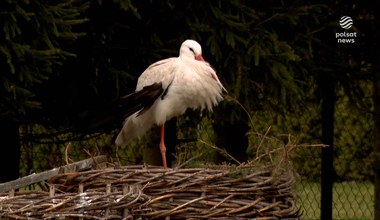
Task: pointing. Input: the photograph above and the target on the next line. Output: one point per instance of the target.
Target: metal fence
(353, 191)
(351, 199)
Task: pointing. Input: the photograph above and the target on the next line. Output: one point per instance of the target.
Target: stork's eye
(192, 50)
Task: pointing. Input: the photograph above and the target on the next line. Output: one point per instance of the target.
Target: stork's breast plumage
(198, 85)
(187, 83)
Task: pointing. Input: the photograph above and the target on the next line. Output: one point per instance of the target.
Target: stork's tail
(138, 123)
(134, 127)
(127, 133)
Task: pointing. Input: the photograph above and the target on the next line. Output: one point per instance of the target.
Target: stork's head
(191, 49)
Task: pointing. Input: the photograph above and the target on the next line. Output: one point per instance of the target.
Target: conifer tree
(31, 39)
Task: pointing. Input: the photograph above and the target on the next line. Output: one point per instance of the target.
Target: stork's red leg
(163, 147)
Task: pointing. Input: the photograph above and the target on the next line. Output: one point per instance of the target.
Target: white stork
(186, 81)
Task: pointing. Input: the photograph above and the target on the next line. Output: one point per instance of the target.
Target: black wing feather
(139, 101)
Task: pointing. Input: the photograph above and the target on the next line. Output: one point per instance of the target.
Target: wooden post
(80, 191)
(52, 190)
(11, 193)
(108, 191)
(125, 210)
(376, 134)
(376, 99)
(38, 177)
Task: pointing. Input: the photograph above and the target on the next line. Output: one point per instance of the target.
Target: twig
(261, 141)
(221, 202)
(242, 106)
(223, 192)
(66, 152)
(189, 160)
(222, 151)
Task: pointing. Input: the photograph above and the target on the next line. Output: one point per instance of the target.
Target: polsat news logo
(346, 36)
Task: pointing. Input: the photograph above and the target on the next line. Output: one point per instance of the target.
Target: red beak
(199, 58)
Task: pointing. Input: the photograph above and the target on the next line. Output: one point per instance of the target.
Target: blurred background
(291, 79)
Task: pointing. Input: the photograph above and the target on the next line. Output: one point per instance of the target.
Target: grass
(351, 200)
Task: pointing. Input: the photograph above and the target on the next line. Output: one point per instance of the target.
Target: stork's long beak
(199, 58)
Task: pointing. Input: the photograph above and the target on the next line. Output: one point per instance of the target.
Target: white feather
(192, 84)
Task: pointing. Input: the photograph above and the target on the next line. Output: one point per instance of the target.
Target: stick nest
(148, 192)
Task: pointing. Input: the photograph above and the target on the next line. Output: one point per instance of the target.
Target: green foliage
(271, 130)
(65, 61)
(31, 36)
(354, 156)
(257, 51)
(43, 153)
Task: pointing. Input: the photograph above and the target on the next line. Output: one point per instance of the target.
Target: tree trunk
(10, 144)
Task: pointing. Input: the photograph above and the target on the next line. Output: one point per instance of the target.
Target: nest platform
(150, 192)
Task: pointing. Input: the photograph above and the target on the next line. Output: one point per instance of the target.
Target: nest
(148, 192)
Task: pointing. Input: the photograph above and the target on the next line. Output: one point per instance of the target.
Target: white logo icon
(346, 22)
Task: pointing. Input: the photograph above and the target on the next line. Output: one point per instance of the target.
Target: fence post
(328, 103)
(376, 97)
